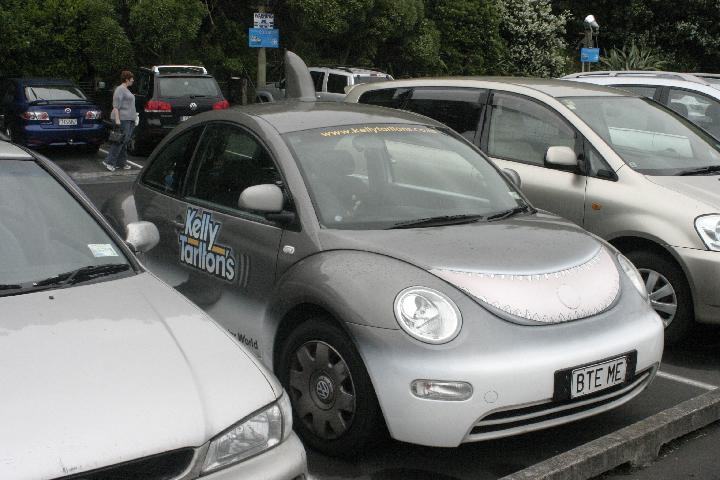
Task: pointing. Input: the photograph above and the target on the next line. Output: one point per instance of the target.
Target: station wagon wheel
(669, 292)
(334, 404)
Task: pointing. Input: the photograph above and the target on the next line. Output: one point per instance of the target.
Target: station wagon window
(521, 129)
(230, 160)
(336, 83)
(458, 108)
(167, 170)
(317, 78)
(143, 86)
(385, 97)
(698, 108)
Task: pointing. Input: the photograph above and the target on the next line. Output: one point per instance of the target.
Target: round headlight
(633, 275)
(708, 227)
(427, 315)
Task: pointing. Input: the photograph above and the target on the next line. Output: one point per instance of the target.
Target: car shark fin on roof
(299, 84)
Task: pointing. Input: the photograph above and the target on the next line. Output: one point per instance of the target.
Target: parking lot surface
(688, 369)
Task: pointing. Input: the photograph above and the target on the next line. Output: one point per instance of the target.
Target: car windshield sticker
(199, 247)
(361, 130)
(102, 250)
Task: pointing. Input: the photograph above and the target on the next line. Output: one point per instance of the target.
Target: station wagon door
(517, 134)
(231, 252)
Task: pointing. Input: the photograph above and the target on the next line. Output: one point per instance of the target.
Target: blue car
(49, 112)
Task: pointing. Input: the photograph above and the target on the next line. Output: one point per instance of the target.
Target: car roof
(689, 77)
(44, 81)
(351, 70)
(552, 87)
(8, 151)
(651, 81)
(292, 116)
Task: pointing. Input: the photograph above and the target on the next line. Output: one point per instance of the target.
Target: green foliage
(633, 57)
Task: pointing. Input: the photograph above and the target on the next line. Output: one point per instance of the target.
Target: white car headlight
(633, 275)
(708, 227)
(427, 315)
(262, 431)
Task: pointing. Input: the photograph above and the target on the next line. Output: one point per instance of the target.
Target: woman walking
(123, 114)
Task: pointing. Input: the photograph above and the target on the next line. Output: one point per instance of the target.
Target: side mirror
(142, 236)
(513, 176)
(267, 198)
(561, 157)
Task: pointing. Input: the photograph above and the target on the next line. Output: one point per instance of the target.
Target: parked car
(41, 112)
(712, 78)
(695, 101)
(167, 95)
(331, 83)
(107, 372)
(621, 166)
(688, 77)
(391, 275)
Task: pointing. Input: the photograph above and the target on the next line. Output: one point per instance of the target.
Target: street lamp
(591, 28)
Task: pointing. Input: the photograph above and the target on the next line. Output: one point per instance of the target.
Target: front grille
(165, 466)
(522, 419)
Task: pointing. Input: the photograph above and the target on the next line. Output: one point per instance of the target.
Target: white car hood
(701, 188)
(99, 374)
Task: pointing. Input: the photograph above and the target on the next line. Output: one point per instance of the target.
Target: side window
(698, 108)
(229, 161)
(458, 108)
(521, 129)
(336, 83)
(143, 86)
(317, 78)
(167, 170)
(385, 97)
(643, 90)
(594, 162)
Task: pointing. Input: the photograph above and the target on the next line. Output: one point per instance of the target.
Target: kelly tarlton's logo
(198, 247)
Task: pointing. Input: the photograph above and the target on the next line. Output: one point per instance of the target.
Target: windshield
(382, 176)
(44, 231)
(649, 138)
(172, 87)
(53, 93)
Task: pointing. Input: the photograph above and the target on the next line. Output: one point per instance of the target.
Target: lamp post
(592, 29)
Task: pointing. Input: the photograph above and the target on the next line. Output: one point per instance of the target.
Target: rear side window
(336, 83)
(317, 78)
(700, 109)
(385, 97)
(53, 92)
(458, 108)
(174, 87)
(167, 171)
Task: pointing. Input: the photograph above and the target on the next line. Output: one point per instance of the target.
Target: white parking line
(128, 161)
(687, 381)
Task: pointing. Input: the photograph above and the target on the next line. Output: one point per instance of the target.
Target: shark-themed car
(107, 372)
(391, 275)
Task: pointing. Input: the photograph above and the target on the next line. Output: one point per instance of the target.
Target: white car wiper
(510, 213)
(701, 170)
(438, 221)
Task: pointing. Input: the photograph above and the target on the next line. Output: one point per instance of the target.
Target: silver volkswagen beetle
(108, 373)
(391, 275)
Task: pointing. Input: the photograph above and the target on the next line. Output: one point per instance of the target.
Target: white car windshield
(398, 176)
(46, 235)
(648, 137)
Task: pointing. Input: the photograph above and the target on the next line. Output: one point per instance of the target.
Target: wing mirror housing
(142, 236)
(561, 157)
(513, 176)
(265, 198)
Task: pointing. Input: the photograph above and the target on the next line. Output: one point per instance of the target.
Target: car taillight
(41, 116)
(93, 115)
(154, 106)
(221, 105)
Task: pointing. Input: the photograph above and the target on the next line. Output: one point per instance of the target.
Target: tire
(335, 410)
(9, 134)
(667, 287)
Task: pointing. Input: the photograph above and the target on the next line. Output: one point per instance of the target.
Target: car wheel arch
(629, 243)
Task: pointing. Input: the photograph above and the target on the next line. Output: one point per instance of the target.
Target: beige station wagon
(621, 166)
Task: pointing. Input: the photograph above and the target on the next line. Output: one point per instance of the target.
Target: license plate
(67, 121)
(593, 378)
(183, 118)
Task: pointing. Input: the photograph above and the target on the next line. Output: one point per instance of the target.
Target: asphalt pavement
(688, 370)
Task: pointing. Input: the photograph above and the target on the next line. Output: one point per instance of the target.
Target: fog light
(441, 390)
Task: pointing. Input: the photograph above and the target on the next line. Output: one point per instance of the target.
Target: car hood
(99, 374)
(703, 188)
(531, 268)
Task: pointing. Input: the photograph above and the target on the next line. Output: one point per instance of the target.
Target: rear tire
(335, 409)
(669, 292)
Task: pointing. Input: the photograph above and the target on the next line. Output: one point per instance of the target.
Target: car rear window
(172, 87)
(372, 78)
(53, 93)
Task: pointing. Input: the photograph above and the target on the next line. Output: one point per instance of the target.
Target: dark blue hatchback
(48, 112)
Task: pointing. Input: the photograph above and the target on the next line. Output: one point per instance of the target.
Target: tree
(633, 57)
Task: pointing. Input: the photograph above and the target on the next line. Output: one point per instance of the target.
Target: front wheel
(334, 404)
(669, 293)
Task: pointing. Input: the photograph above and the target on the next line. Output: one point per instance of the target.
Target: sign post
(263, 36)
(589, 55)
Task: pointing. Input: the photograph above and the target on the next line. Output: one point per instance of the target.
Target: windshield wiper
(510, 213)
(10, 286)
(701, 170)
(82, 274)
(438, 221)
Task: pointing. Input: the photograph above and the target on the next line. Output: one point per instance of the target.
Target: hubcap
(322, 389)
(662, 294)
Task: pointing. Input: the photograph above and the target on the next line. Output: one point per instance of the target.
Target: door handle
(178, 224)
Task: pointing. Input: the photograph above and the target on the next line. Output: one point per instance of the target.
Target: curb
(637, 444)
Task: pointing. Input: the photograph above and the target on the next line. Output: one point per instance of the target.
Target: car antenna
(298, 82)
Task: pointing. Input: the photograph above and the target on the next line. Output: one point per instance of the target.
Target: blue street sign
(590, 55)
(264, 37)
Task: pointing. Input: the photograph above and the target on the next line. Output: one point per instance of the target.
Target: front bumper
(703, 270)
(511, 369)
